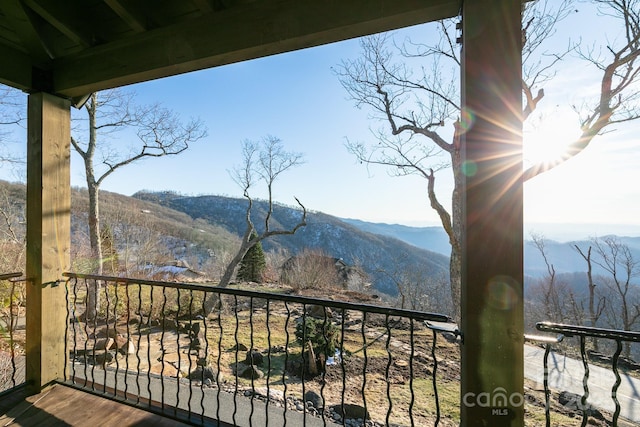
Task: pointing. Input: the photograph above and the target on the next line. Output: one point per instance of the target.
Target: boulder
(203, 373)
(195, 344)
(124, 345)
(104, 358)
(249, 372)
(103, 344)
(166, 369)
(574, 401)
(254, 357)
(169, 324)
(240, 347)
(316, 400)
(350, 411)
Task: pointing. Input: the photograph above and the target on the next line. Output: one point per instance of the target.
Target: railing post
(492, 306)
(48, 236)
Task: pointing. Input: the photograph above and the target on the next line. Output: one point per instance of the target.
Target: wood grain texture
(61, 405)
(48, 236)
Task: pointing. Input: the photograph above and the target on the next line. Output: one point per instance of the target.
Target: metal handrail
(587, 331)
(582, 333)
(7, 276)
(376, 328)
(416, 315)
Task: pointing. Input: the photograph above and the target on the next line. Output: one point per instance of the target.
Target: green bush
(322, 334)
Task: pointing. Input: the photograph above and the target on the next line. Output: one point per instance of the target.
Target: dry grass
(396, 386)
(400, 400)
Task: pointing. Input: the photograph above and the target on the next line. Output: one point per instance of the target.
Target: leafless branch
(265, 160)
(619, 96)
(12, 114)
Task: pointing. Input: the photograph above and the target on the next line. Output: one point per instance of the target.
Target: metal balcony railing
(214, 356)
(582, 333)
(12, 330)
(244, 357)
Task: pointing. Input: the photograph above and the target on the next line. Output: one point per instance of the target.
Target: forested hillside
(158, 229)
(155, 231)
(382, 257)
(142, 233)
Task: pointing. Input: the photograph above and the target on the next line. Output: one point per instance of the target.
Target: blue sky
(297, 98)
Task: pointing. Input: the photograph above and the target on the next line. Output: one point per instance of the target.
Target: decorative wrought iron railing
(583, 402)
(12, 330)
(243, 357)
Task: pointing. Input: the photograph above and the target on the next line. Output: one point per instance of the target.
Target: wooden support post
(492, 320)
(48, 236)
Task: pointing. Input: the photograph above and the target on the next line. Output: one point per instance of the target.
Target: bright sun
(548, 140)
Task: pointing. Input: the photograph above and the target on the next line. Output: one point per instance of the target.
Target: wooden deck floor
(65, 406)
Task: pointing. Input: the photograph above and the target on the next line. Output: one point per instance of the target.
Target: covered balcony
(152, 357)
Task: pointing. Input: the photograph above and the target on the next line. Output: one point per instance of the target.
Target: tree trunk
(310, 359)
(457, 225)
(93, 188)
(593, 316)
(158, 137)
(212, 301)
(626, 323)
(456, 228)
(455, 271)
(93, 287)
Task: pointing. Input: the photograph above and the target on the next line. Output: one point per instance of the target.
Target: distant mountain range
(201, 225)
(379, 255)
(563, 255)
(431, 238)
(373, 245)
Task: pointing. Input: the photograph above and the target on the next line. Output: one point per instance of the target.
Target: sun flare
(547, 140)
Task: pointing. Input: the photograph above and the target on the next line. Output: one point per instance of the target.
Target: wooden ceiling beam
(26, 29)
(239, 33)
(62, 16)
(16, 69)
(133, 20)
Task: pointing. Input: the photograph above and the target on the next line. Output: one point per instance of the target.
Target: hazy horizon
(560, 232)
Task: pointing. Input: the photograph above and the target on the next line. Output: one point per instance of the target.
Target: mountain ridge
(198, 226)
(562, 254)
(377, 254)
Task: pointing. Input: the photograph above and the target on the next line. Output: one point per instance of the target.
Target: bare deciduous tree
(618, 100)
(418, 288)
(263, 161)
(12, 109)
(142, 248)
(551, 297)
(417, 95)
(552, 302)
(158, 131)
(217, 264)
(616, 259)
(595, 307)
(310, 269)
(275, 258)
(12, 230)
(6, 371)
(12, 259)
